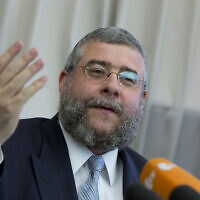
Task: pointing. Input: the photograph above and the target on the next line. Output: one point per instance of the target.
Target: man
(102, 93)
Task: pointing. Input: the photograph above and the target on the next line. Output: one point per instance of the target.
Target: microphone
(139, 192)
(163, 176)
(184, 192)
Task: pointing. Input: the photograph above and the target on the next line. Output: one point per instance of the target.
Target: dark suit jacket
(36, 164)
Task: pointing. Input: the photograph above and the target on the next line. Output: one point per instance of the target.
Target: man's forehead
(109, 65)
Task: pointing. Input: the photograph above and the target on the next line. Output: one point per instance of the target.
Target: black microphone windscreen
(184, 192)
(139, 192)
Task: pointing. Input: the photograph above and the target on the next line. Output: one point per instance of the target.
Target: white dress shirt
(110, 184)
(1, 155)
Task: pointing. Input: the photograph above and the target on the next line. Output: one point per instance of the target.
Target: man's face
(104, 117)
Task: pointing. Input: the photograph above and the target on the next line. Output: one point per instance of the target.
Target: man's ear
(62, 79)
(144, 94)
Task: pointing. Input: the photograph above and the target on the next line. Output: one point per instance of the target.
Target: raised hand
(14, 74)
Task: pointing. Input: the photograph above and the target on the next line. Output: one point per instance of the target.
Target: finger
(25, 94)
(17, 66)
(21, 79)
(8, 55)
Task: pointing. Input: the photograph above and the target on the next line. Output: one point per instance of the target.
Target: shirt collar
(78, 150)
(110, 159)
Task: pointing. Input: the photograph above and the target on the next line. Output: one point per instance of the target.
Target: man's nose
(111, 86)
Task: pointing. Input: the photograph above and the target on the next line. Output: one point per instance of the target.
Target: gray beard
(72, 114)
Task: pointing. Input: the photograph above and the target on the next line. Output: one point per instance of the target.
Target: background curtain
(170, 34)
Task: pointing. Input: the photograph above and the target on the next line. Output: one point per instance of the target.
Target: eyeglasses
(99, 73)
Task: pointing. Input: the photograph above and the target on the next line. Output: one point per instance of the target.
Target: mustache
(111, 104)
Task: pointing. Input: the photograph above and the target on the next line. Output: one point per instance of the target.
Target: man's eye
(96, 72)
(130, 80)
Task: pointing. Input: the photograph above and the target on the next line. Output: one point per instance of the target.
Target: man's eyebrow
(101, 62)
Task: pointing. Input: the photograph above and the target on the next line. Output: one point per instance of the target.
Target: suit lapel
(52, 168)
